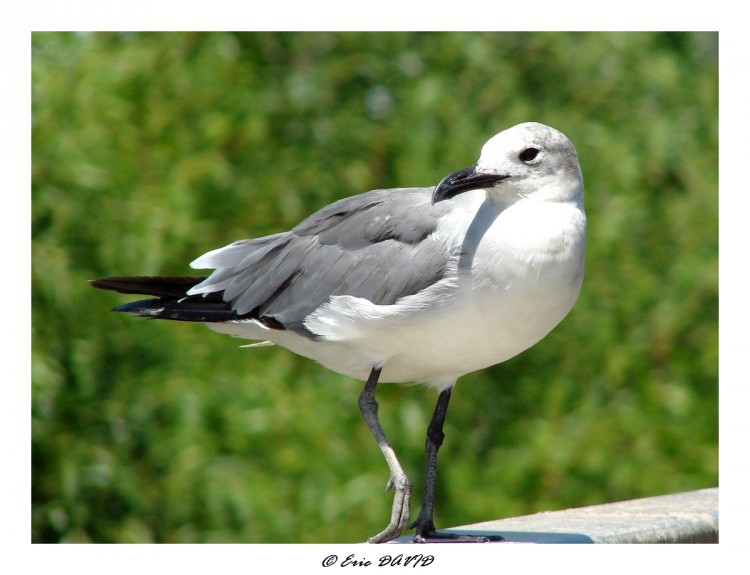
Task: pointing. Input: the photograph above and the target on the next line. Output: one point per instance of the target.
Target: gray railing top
(690, 517)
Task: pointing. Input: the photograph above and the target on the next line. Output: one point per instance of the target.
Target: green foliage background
(150, 149)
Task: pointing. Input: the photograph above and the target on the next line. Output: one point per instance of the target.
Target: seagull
(405, 285)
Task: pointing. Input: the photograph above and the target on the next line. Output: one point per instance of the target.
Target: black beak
(463, 181)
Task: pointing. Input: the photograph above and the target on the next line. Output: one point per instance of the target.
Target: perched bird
(405, 285)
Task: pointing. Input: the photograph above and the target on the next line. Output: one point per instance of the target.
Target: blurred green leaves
(150, 149)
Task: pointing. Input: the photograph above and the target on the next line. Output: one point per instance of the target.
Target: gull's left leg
(398, 479)
(426, 532)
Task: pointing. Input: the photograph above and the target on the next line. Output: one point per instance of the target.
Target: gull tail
(171, 300)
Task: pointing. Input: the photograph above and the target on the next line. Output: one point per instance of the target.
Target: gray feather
(375, 246)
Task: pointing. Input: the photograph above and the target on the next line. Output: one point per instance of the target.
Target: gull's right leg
(398, 480)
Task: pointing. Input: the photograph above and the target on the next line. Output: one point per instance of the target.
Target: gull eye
(528, 154)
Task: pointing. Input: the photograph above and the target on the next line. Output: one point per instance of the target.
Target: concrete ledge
(691, 517)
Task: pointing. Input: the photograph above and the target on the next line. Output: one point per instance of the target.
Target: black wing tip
(100, 283)
(160, 286)
(173, 303)
(195, 309)
(142, 308)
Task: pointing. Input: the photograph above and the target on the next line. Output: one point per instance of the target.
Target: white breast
(518, 275)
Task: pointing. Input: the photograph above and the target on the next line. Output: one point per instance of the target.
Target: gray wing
(376, 246)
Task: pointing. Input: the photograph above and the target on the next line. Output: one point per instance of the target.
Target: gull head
(526, 160)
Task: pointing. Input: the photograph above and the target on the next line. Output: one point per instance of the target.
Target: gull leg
(398, 479)
(426, 532)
